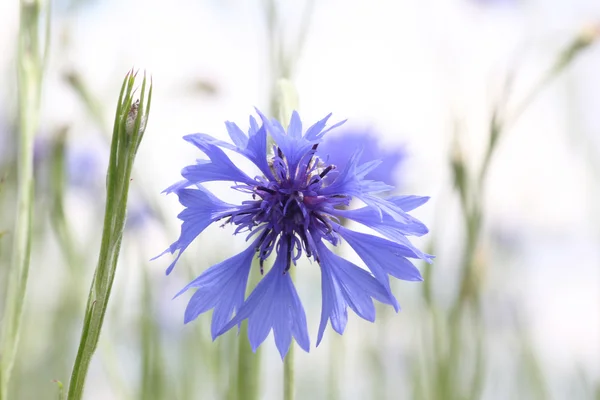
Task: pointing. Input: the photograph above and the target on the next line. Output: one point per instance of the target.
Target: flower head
(293, 208)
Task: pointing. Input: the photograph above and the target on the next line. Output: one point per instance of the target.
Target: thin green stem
(289, 388)
(498, 126)
(248, 371)
(282, 62)
(153, 371)
(125, 142)
(336, 354)
(29, 71)
(472, 203)
(68, 309)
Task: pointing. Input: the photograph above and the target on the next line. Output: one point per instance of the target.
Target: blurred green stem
(336, 354)
(130, 122)
(68, 308)
(248, 371)
(57, 215)
(153, 367)
(30, 65)
(289, 389)
(471, 193)
(281, 62)
(379, 353)
(499, 123)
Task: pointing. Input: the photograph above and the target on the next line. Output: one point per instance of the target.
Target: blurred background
(491, 107)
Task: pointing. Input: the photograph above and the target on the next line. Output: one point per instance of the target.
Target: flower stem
(30, 66)
(153, 371)
(472, 197)
(289, 392)
(248, 372)
(336, 354)
(289, 384)
(129, 126)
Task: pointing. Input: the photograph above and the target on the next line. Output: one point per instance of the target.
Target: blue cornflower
(337, 149)
(293, 207)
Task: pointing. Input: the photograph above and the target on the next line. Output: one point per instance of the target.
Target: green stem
(289, 392)
(248, 372)
(153, 371)
(29, 68)
(289, 386)
(336, 353)
(125, 142)
(498, 126)
(66, 315)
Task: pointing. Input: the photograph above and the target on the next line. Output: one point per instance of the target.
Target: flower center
(288, 210)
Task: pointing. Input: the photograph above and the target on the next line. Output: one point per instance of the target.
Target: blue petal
(396, 207)
(274, 304)
(408, 203)
(350, 182)
(202, 209)
(253, 148)
(292, 143)
(317, 130)
(385, 223)
(344, 284)
(345, 182)
(338, 148)
(295, 127)
(333, 307)
(222, 287)
(381, 256)
(293, 147)
(219, 168)
(177, 186)
(256, 151)
(238, 137)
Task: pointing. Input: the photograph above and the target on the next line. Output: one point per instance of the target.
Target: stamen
(265, 189)
(326, 171)
(325, 222)
(262, 239)
(305, 243)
